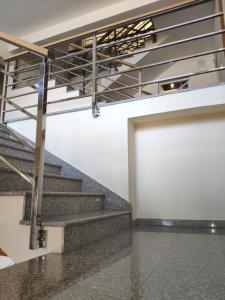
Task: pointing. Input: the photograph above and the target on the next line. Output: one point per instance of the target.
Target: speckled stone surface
(14, 150)
(112, 200)
(27, 164)
(55, 183)
(180, 223)
(151, 265)
(9, 141)
(83, 233)
(64, 204)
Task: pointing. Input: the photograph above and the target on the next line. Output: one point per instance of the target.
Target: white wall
(99, 147)
(87, 20)
(180, 168)
(14, 238)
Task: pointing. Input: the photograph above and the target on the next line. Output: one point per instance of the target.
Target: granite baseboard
(179, 223)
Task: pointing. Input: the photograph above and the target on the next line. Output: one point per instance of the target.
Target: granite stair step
(86, 228)
(27, 164)
(10, 141)
(55, 204)
(4, 133)
(10, 181)
(15, 150)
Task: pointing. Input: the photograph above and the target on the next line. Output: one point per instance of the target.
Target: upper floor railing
(180, 46)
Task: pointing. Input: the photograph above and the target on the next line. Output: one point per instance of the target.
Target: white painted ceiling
(21, 17)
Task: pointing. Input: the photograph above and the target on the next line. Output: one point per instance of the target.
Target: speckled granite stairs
(82, 215)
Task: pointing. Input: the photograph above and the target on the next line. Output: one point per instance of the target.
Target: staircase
(82, 216)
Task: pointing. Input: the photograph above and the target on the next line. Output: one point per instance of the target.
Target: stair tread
(47, 175)
(16, 148)
(63, 221)
(10, 138)
(56, 194)
(27, 159)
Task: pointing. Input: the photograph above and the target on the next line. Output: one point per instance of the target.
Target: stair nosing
(64, 224)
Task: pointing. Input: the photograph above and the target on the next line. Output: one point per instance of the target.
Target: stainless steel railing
(37, 180)
(104, 65)
(97, 71)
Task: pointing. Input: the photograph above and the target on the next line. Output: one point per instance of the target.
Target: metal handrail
(157, 31)
(18, 107)
(13, 40)
(179, 5)
(165, 79)
(179, 42)
(38, 172)
(169, 61)
(17, 170)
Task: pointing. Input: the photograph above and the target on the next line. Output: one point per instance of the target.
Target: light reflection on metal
(37, 186)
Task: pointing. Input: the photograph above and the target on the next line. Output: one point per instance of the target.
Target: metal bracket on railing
(95, 110)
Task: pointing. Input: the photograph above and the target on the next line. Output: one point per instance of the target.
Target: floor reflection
(148, 263)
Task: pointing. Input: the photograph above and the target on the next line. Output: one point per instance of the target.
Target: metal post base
(95, 111)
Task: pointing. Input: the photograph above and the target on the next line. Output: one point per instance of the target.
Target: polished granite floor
(154, 263)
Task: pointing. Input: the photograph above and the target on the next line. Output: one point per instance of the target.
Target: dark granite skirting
(83, 234)
(180, 223)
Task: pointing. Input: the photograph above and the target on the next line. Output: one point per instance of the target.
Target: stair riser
(80, 235)
(13, 182)
(11, 143)
(4, 134)
(28, 166)
(66, 205)
(20, 153)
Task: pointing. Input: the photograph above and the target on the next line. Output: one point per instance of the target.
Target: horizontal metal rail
(14, 77)
(22, 81)
(165, 80)
(198, 37)
(18, 107)
(27, 69)
(137, 52)
(108, 69)
(73, 54)
(52, 88)
(169, 61)
(30, 62)
(175, 43)
(179, 25)
(17, 170)
(168, 79)
(167, 9)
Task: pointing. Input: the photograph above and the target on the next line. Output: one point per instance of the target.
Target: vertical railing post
(39, 155)
(95, 109)
(139, 82)
(4, 93)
